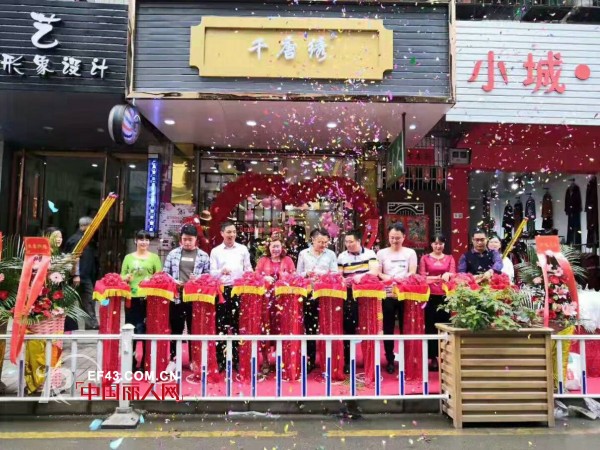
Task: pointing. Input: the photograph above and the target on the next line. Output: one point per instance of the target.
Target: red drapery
(369, 293)
(414, 292)
(159, 291)
(331, 292)
(157, 322)
(251, 289)
(290, 293)
(110, 291)
(203, 292)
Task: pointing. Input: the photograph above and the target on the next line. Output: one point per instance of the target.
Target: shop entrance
(56, 189)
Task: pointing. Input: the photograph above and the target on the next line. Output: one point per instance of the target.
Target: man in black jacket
(86, 273)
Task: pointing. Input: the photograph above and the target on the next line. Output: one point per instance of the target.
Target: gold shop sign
(291, 48)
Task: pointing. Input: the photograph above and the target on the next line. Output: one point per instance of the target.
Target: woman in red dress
(274, 264)
(438, 268)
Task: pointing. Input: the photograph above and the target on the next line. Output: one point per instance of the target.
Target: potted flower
(496, 364)
(47, 314)
(562, 312)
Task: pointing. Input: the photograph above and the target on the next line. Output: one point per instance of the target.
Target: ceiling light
(169, 122)
(254, 162)
(412, 126)
(331, 125)
(307, 178)
(94, 165)
(276, 158)
(47, 128)
(132, 166)
(269, 169)
(514, 186)
(100, 130)
(251, 123)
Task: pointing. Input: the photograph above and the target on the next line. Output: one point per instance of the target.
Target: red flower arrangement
(562, 308)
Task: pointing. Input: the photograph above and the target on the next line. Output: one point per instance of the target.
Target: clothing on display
(591, 211)
(508, 220)
(573, 212)
(547, 213)
(518, 213)
(531, 215)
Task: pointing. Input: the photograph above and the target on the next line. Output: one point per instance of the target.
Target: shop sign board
(45, 43)
(319, 48)
(517, 72)
(398, 53)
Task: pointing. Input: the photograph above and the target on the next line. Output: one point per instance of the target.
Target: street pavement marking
(143, 434)
(113, 434)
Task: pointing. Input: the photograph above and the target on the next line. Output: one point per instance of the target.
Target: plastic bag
(573, 382)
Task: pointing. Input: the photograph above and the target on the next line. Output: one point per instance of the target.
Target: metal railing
(561, 391)
(76, 390)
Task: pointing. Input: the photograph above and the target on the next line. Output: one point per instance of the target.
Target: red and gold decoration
(330, 290)
(159, 291)
(251, 289)
(341, 188)
(369, 294)
(290, 292)
(203, 292)
(111, 291)
(414, 292)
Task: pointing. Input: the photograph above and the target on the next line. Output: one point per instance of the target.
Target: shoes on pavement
(390, 368)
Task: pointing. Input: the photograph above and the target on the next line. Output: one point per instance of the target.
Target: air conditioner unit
(459, 156)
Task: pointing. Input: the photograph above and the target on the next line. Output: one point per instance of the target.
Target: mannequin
(531, 215)
(573, 212)
(547, 212)
(508, 220)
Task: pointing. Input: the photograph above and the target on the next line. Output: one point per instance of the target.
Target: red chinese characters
(543, 74)
(491, 62)
(547, 73)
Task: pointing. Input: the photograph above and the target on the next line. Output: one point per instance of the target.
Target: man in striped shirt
(353, 264)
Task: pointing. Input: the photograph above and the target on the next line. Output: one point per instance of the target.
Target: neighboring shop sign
(152, 195)
(521, 72)
(291, 48)
(73, 45)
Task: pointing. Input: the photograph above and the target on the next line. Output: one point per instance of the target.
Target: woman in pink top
(272, 266)
(438, 268)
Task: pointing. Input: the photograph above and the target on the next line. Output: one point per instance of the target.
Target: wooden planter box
(497, 376)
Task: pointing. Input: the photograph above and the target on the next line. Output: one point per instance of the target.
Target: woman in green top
(137, 267)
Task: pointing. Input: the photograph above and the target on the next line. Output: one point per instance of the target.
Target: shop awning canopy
(288, 125)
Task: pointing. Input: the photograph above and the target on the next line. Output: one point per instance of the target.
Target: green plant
(529, 270)
(487, 308)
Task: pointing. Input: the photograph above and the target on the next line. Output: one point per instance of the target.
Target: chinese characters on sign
(544, 73)
(316, 48)
(128, 391)
(15, 65)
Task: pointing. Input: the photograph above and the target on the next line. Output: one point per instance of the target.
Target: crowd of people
(230, 260)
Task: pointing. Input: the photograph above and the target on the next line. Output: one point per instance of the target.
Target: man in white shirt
(315, 260)
(354, 263)
(395, 261)
(229, 261)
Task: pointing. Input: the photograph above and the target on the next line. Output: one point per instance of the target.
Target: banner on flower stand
(559, 280)
(37, 257)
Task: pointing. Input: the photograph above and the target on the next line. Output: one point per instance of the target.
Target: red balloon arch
(334, 188)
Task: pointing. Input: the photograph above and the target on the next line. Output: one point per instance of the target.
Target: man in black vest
(480, 261)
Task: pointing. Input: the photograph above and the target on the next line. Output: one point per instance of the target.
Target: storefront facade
(298, 90)
(527, 99)
(62, 69)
